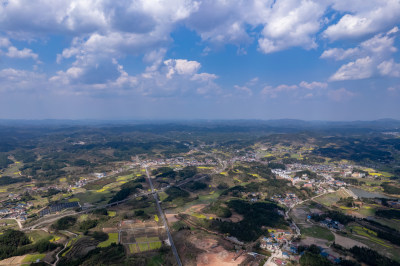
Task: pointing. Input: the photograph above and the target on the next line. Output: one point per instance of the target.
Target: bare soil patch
(308, 241)
(235, 218)
(347, 242)
(317, 211)
(214, 251)
(219, 256)
(110, 230)
(195, 208)
(356, 214)
(200, 248)
(17, 260)
(171, 217)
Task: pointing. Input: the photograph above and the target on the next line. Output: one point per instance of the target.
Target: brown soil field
(171, 217)
(347, 242)
(308, 241)
(13, 260)
(132, 224)
(317, 211)
(214, 253)
(356, 214)
(110, 230)
(196, 208)
(200, 248)
(219, 256)
(235, 218)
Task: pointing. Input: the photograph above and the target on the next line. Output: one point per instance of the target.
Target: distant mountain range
(380, 124)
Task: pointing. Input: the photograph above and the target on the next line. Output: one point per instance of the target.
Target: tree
(311, 259)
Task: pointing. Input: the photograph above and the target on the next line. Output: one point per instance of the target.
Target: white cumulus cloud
(13, 52)
(4, 42)
(181, 67)
(371, 57)
(389, 68)
(360, 69)
(363, 18)
(313, 85)
(292, 23)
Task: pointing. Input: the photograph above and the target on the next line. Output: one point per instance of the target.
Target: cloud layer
(129, 47)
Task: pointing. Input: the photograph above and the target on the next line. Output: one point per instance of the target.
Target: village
(283, 245)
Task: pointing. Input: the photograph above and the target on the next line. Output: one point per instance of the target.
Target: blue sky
(207, 59)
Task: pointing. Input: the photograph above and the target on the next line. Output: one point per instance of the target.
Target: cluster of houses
(289, 200)
(279, 262)
(79, 184)
(285, 174)
(394, 203)
(336, 183)
(329, 223)
(37, 190)
(15, 210)
(178, 160)
(280, 240)
(322, 185)
(248, 157)
(99, 175)
(303, 180)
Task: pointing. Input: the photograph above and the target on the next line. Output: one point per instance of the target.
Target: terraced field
(142, 239)
(80, 247)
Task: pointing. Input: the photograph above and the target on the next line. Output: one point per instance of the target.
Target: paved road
(53, 218)
(47, 220)
(18, 222)
(58, 253)
(278, 254)
(171, 241)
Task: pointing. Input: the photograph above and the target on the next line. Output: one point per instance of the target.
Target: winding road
(62, 250)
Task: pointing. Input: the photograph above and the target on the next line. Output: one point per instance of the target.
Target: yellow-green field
(73, 200)
(155, 245)
(37, 235)
(162, 195)
(199, 215)
(371, 235)
(70, 244)
(237, 180)
(133, 248)
(147, 239)
(111, 213)
(112, 238)
(125, 178)
(33, 258)
(56, 238)
(143, 247)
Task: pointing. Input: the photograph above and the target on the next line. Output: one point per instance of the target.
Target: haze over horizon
(184, 59)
